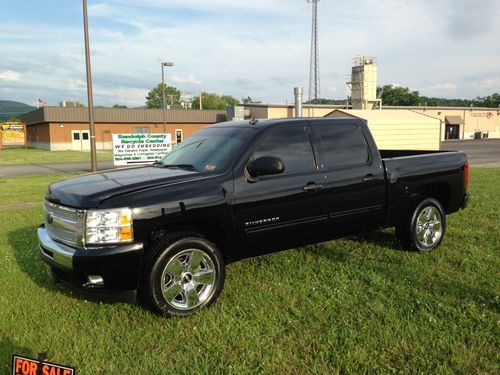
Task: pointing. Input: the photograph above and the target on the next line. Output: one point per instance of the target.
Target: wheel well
(439, 191)
(209, 228)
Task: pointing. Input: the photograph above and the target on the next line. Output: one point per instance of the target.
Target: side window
(291, 144)
(178, 136)
(342, 145)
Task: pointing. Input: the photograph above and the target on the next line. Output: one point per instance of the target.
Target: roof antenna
(253, 121)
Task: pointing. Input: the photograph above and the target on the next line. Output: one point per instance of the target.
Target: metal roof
(291, 105)
(388, 115)
(123, 115)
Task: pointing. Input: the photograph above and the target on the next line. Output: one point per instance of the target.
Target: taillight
(466, 175)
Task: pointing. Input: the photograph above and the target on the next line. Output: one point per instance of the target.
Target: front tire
(187, 274)
(424, 228)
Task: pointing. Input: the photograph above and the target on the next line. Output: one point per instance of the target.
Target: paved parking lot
(481, 152)
(46, 168)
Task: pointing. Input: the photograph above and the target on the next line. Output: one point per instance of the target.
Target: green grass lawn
(357, 305)
(37, 156)
(27, 189)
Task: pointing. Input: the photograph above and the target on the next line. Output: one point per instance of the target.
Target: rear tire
(423, 229)
(186, 275)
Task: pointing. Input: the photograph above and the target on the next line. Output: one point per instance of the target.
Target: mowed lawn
(37, 156)
(357, 305)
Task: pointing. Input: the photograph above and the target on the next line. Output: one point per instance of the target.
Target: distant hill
(10, 109)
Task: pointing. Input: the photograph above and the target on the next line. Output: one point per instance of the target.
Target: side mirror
(265, 166)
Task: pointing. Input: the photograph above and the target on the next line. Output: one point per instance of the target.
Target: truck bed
(413, 172)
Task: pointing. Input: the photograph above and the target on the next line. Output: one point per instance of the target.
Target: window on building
(178, 135)
(292, 145)
(76, 136)
(85, 136)
(141, 130)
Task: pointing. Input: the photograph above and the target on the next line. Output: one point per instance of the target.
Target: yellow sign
(12, 134)
(12, 126)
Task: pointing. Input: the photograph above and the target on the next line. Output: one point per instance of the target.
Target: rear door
(286, 210)
(355, 179)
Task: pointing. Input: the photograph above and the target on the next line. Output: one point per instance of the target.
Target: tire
(423, 229)
(186, 275)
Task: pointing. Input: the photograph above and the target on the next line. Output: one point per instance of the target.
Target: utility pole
(199, 97)
(93, 156)
(165, 63)
(314, 84)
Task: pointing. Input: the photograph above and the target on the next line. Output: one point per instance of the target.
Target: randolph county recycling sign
(140, 148)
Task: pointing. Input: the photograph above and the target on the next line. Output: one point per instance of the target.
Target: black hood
(89, 190)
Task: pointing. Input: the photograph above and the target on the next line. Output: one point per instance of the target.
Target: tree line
(209, 100)
(403, 96)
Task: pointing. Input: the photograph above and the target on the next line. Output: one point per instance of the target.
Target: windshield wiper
(189, 167)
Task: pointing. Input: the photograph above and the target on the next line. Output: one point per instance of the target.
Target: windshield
(207, 150)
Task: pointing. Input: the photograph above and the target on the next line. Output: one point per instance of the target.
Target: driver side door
(286, 210)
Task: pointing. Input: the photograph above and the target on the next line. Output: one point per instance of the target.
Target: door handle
(311, 186)
(369, 178)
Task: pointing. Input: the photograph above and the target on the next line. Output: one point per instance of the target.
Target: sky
(258, 48)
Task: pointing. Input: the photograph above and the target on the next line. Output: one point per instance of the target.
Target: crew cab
(163, 233)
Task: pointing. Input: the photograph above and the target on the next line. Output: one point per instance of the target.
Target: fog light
(94, 281)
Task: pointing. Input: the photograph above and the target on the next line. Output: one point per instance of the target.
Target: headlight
(109, 226)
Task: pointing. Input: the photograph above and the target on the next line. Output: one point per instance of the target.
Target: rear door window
(342, 145)
(292, 145)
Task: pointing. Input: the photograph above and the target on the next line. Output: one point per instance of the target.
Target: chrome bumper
(54, 252)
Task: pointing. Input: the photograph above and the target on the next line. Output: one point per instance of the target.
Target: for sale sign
(30, 366)
(140, 148)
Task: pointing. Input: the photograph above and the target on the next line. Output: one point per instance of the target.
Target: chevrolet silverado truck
(163, 233)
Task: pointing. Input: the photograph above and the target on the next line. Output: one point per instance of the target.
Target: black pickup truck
(164, 232)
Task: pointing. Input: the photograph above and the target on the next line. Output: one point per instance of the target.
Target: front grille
(64, 224)
(61, 212)
(64, 234)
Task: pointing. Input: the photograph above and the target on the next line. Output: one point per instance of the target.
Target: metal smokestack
(298, 100)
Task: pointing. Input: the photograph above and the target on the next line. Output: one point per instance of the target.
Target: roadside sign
(129, 149)
(30, 366)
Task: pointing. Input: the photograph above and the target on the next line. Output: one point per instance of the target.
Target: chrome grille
(63, 234)
(61, 212)
(64, 224)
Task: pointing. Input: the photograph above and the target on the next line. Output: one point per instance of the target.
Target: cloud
(188, 79)
(444, 87)
(258, 49)
(492, 84)
(468, 20)
(9, 76)
(132, 96)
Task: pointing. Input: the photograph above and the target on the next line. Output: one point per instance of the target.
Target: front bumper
(118, 266)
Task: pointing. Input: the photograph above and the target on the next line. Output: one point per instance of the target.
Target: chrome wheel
(429, 227)
(188, 279)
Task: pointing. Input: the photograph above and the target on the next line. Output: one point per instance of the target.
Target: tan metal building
(398, 130)
(462, 122)
(456, 122)
(66, 128)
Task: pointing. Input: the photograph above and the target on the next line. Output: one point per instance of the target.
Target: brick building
(66, 128)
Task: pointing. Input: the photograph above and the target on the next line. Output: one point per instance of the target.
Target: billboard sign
(130, 149)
